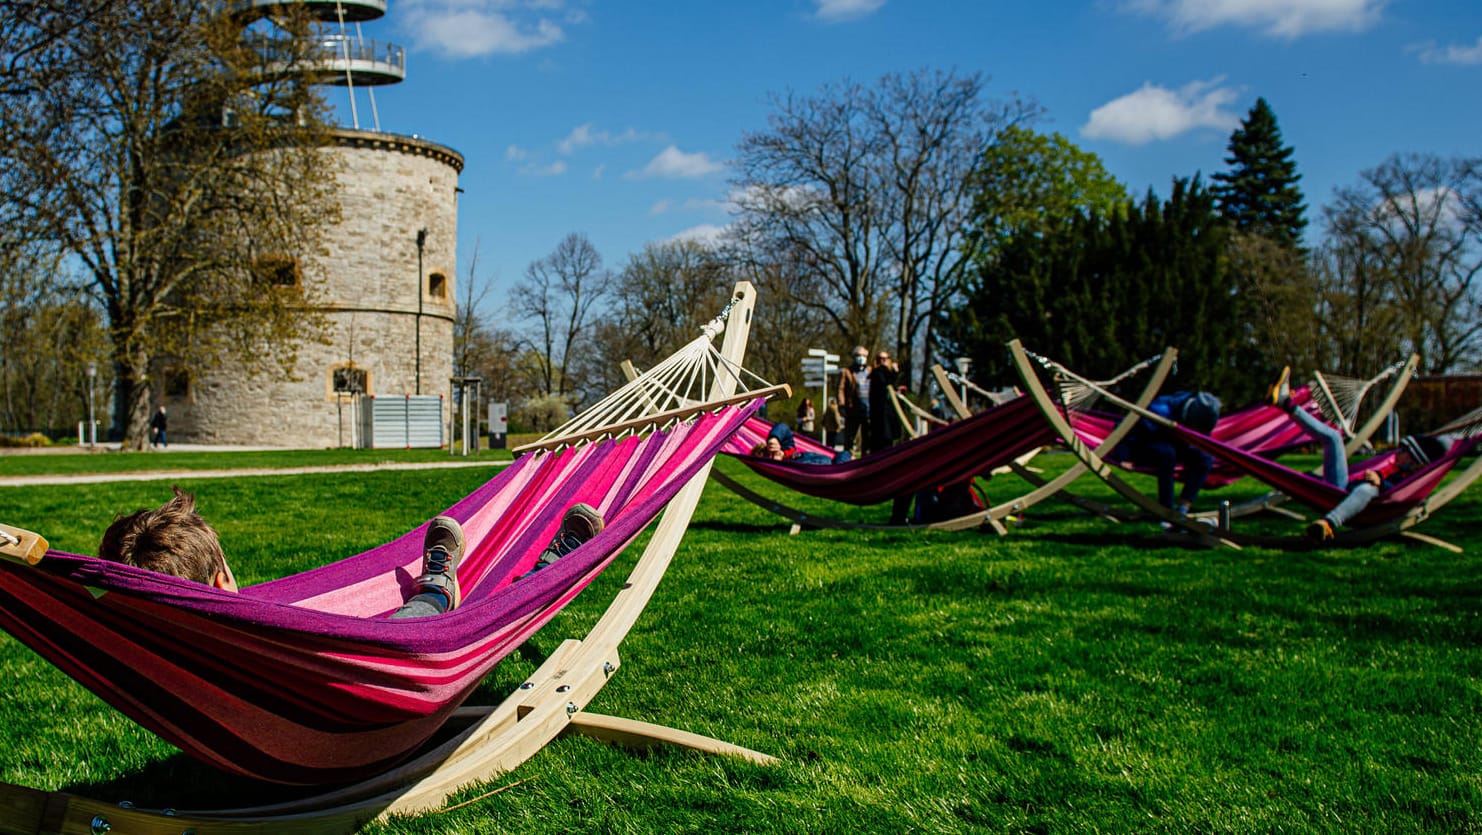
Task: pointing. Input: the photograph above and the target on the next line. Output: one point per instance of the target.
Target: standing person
(885, 425)
(854, 400)
(806, 416)
(832, 423)
(1414, 451)
(157, 428)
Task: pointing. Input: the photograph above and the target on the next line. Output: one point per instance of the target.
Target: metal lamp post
(421, 243)
(92, 423)
(963, 364)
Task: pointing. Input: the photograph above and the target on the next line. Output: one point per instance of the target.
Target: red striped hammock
(302, 680)
(948, 455)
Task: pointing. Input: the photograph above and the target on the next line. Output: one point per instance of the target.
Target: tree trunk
(131, 398)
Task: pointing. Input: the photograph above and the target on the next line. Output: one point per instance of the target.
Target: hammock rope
(1340, 397)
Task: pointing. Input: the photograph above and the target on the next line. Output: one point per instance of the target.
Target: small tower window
(437, 286)
(278, 271)
(348, 379)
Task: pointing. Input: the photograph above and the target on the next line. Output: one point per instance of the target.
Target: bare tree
(867, 191)
(935, 127)
(663, 296)
(1405, 252)
(481, 348)
(559, 296)
(176, 163)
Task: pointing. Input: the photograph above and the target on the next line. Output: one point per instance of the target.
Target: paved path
(184, 475)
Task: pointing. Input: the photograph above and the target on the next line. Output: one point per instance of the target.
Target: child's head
(172, 539)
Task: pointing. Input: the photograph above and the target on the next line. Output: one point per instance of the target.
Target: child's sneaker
(442, 549)
(581, 523)
(1279, 393)
(1320, 530)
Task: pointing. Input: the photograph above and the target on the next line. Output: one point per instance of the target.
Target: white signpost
(817, 367)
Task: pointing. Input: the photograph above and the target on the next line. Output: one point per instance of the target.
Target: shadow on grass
(743, 527)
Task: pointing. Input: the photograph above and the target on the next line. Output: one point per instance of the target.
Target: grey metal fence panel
(401, 421)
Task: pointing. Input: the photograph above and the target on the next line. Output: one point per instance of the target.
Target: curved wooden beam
(1095, 463)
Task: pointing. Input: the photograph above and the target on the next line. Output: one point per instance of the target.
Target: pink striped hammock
(950, 454)
(302, 680)
(1322, 496)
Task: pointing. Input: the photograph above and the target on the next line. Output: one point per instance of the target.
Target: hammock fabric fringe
(303, 680)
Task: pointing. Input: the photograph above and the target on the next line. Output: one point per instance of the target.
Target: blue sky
(617, 120)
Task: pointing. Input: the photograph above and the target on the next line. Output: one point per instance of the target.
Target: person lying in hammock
(1413, 452)
(1152, 446)
(782, 446)
(174, 539)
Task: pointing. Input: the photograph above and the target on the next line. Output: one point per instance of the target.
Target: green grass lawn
(1071, 676)
(55, 462)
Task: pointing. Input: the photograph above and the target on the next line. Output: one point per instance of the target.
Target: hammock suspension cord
(1078, 394)
(657, 398)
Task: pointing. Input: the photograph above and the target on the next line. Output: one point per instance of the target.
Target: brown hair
(172, 539)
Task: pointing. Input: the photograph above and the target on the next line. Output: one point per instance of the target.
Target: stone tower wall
(391, 187)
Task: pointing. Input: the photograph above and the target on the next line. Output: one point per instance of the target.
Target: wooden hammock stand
(552, 702)
(1202, 533)
(1270, 502)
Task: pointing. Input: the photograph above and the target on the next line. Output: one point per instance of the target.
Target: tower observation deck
(344, 57)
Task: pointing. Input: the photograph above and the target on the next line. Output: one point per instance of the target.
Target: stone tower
(389, 299)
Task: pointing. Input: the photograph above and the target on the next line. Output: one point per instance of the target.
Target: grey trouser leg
(421, 606)
(1358, 499)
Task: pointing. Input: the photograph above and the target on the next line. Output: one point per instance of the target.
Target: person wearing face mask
(885, 427)
(854, 400)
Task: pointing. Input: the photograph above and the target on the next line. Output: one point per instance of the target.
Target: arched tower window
(437, 286)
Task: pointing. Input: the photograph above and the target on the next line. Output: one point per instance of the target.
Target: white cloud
(583, 135)
(706, 233)
(1278, 18)
(836, 11)
(1432, 54)
(469, 28)
(515, 153)
(555, 169)
(673, 163)
(694, 204)
(1155, 113)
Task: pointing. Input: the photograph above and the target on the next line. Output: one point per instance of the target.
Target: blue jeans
(1335, 468)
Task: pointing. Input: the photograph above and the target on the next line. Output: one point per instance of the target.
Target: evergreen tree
(1259, 193)
(1101, 293)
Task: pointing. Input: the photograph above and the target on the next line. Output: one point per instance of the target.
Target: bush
(541, 413)
(35, 439)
